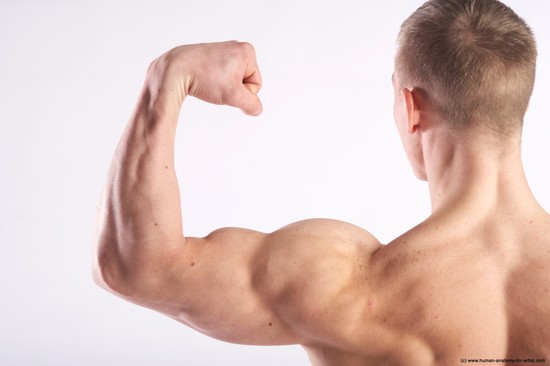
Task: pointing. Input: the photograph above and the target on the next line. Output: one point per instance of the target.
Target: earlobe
(412, 111)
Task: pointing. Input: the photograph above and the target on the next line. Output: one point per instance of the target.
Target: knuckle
(247, 47)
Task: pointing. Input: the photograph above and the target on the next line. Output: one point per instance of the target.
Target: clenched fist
(220, 73)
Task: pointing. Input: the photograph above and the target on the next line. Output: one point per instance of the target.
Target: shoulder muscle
(315, 272)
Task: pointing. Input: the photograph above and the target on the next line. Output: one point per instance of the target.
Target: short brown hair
(474, 59)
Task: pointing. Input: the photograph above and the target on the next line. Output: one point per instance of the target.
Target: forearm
(140, 221)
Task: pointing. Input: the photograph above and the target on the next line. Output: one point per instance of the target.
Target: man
(472, 281)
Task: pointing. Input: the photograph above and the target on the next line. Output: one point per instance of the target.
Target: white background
(325, 146)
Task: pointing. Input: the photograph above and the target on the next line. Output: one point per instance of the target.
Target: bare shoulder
(326, 232)
(315, 271)
(323, 247)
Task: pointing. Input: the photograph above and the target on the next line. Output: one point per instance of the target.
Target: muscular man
(472, 281)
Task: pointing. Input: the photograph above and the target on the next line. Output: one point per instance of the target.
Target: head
(472, 62)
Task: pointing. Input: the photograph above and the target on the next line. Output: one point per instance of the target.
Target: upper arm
(216, 289)
(248, 287)
(212, 285)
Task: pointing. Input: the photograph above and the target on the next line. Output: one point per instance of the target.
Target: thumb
(246, 98)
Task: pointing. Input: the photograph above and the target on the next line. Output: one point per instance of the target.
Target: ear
(410, 98)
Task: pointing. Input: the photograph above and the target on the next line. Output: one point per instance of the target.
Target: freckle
(270, 324)
(436, 317)
(156, 224)
(166, 167)
(192, 264)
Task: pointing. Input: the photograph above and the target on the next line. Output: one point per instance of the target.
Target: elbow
(103, 281)
(108, 269)
(124, 279)
(123, 270)
(105, 261)
(109, 273)
(106, 273)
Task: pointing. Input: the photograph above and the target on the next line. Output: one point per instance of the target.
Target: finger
(246, 100)
(252, 75)
(244, 93)
(252, 104)
(254, 81)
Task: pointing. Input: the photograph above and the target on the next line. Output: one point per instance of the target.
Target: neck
(475, 176)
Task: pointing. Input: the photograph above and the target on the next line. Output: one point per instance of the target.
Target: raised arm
(142, 253)
(140, 218)
(236, 285)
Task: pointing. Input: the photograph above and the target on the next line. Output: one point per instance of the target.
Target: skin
(472, 281)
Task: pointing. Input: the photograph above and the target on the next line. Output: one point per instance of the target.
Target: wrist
(164, 90)
(167, 80)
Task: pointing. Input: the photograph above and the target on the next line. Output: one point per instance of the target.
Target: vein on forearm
(144, 198)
